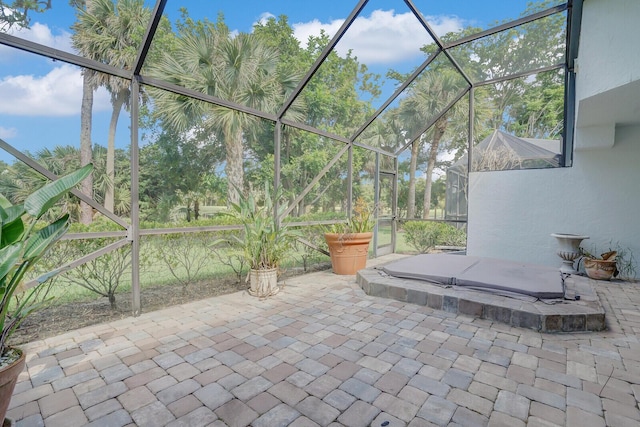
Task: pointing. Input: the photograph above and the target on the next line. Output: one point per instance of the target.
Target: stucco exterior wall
(513, 213)
(609, 55)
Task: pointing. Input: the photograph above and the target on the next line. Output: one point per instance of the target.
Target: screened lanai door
(384, 236)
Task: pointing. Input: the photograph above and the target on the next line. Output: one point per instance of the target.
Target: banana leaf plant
(24, 239)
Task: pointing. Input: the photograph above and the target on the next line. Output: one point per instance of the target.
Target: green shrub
(453, 236)
(185, 255)
(426, 235)
(317, 216)
(313, 234)
(102, 275)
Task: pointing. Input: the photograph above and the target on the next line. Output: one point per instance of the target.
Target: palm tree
(241, 69)
(111, 33)
(431, 93)
(385, 132)
(19, 180)
(86, 118)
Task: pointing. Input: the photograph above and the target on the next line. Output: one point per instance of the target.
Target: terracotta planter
(8, 378)
(263, 283)
(348, 251)
(600, 269)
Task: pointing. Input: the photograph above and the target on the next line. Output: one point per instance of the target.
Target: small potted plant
(616, 262)
(264, 242)
(603, 268)
(24, 240)
(349, 242)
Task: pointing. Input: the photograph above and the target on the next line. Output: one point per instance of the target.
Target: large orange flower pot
(348, 251)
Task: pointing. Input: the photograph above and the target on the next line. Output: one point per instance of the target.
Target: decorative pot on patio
(263, 283)
(8, 378)
(264, 241)
(348, 251)
(601, 269)
(569, 250)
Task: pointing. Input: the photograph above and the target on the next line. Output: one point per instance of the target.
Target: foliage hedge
(424, 236)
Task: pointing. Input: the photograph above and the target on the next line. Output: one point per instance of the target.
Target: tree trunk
(233, 168)
(112, 301)
(302, 205)
(109, 197)
(411, 197)
(86, 211)
(439, 130)
(196, 209)
(287, 184)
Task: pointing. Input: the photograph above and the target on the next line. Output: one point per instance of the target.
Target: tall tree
(335, 95)
(238, 68)
(111, 33)
(173, 164)
(540, 111)
(425, 100)
(15, 13)
(530, 46)
(332, 100)
(19, 180)
(86, 120)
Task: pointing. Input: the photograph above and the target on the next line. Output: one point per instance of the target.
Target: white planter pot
(568, 250)
(263, 283)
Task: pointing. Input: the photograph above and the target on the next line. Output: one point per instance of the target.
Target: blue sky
(40, 98)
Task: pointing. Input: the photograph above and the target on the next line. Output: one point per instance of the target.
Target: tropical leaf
(4, 203)
(12, 225)
(23, 243)
(44, 198)
(38, 243)
(12, 232)
(11, 213)
(9, 256)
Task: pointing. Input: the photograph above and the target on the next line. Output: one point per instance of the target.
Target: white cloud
(56, 94)
(264, 18)
(41, 33)
(38, 33)
(383, 37)
(8, 133)
(303, 30)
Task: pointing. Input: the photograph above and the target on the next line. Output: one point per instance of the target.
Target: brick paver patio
(323, 353)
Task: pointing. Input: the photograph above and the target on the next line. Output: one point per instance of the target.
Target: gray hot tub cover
(494, 275)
